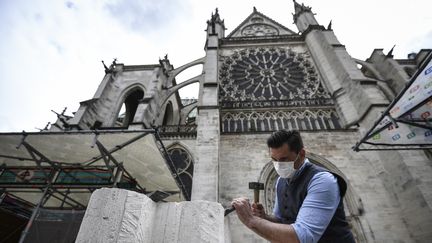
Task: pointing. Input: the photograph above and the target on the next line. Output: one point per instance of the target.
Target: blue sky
(50, 51)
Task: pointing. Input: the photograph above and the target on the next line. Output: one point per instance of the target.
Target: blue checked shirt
(318, 207)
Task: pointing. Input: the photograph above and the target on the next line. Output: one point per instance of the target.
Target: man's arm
(273, 232)
(314, 216)
(318, 207)
(258, 210)
(272, 218)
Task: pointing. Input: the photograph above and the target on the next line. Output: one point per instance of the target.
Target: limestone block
(117, 215)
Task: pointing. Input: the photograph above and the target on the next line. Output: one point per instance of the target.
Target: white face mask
(285, 168)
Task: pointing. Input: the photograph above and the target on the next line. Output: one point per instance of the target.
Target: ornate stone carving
(262, 121)
(259, 30)
(268, 89)
(270, 191)
(269, 74)
(178, 131)
(184, 165)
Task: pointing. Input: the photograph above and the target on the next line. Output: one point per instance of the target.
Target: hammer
(256, 186)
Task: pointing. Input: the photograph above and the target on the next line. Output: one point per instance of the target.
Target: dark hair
(292, 138)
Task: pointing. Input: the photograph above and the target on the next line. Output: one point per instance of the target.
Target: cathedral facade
(264, 77)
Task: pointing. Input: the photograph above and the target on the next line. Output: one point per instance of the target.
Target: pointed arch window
(184, 165)
(191, 117)
(169, 115)
(129, 107)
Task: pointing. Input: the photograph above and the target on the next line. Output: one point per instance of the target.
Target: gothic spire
(303, 16)
(299, 9)
(390, 53)
(215, 17)
(329, 27)
(215, 24)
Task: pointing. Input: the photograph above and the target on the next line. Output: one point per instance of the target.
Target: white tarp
(407, 121)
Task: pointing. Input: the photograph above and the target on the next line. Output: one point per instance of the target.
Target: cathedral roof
(258, 24)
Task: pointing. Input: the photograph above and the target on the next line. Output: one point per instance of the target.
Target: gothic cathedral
(263, 77)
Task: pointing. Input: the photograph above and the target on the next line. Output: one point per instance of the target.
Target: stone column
(206, 167)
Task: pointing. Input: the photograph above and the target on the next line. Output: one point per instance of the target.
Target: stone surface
(117, 215)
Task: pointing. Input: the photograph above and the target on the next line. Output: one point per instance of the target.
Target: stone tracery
(259, 29)
(267, 89)
(260, 121)
(269, 74)
(184, 164)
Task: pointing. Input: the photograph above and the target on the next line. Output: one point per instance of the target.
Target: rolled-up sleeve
(318, 207)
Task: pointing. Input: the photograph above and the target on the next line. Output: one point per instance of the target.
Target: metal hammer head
(256, 185)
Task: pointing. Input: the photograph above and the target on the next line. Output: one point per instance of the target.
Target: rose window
(268, 74)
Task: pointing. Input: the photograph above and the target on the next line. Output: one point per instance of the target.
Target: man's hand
(258, 210)
(252, 216)
(243, 209)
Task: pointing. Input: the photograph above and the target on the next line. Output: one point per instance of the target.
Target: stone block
(117, 215)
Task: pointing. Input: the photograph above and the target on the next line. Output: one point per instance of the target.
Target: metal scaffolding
(27, 169)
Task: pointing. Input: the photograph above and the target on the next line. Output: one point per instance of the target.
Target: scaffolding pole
(33, 216)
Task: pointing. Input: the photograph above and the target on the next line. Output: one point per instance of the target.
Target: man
(309, 201)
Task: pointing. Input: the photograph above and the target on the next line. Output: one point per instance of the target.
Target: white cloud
(50, 51)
